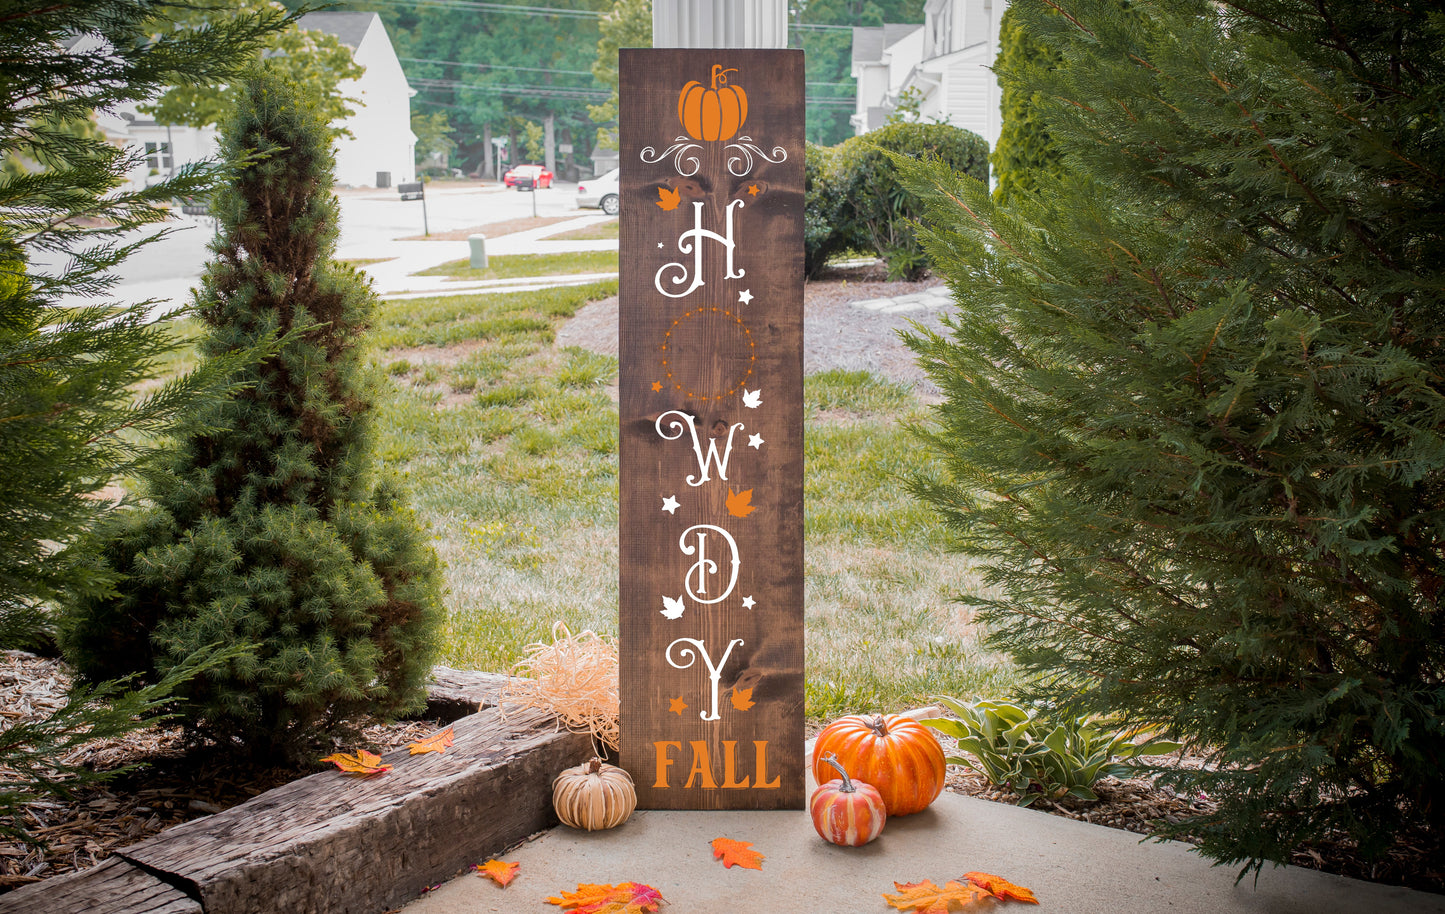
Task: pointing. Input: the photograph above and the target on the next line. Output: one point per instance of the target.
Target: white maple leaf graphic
(752, 399)
(675, 606)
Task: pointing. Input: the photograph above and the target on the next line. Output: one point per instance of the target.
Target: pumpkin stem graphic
(719, 75)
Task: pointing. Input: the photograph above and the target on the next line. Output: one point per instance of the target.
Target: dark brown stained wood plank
(334, 843)
(690, 348)
(111, 887)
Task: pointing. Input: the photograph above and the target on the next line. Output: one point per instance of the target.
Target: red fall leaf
(626, 898)
(1001, 888)
(500, 872)
(736, 853)
(363, 763)
(742, 699)
(437, 742)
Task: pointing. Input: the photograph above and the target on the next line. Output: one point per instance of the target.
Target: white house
(381, 151)
(944, 63)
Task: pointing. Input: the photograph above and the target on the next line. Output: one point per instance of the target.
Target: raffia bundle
(575, 677)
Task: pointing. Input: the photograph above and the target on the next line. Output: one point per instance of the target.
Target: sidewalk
(393, 277)
(1072, 867)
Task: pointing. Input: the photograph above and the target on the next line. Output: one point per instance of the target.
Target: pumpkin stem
(594, 766)
(718, 73)
(878, 725)
(847, 787)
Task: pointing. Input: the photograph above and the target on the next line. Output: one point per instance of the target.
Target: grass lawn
(599, 232)
(510, 449)
(513, 266)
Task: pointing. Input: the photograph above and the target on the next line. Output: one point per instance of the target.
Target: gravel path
(836, 333)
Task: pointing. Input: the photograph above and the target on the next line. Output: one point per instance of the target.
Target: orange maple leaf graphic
(626, 898)
(498, 871)
(736, 853)
(742, 699)
(740, 504)
(926, 898)
(1001, 888)
(362, 763)
(668, 199)
(437, 742)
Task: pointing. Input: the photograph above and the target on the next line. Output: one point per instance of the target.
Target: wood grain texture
(333, 843)
(694, 337)
(452, 694)
(114, 886)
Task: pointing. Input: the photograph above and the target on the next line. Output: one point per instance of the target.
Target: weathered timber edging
(333, 844)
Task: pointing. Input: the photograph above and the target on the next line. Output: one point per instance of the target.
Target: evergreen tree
(1194, 408)
(69, 419)
(274, 527)
(1024, 150)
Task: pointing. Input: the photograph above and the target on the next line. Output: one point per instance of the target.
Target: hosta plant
(1022, 749)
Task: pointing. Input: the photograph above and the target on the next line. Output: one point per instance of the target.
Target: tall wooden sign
(711, 377)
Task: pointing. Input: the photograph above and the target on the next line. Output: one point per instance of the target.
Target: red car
(524, 176)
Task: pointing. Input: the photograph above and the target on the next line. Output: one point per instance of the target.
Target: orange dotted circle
(680, 326)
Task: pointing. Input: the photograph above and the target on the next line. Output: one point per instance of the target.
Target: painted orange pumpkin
(712, 114)
(847, 812)
(895, 754)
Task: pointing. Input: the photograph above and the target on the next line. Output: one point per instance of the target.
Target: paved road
(371, 221)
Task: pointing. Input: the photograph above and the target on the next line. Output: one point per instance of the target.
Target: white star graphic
(745, 296)
(755, 441)
(669, 504)
(749, 602)
(659, 244)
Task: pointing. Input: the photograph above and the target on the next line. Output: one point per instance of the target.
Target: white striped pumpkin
(594, 796)
(845, 811)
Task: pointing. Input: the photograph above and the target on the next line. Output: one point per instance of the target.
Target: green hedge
(854, 200)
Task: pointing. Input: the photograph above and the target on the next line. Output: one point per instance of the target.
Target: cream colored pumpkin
(594, 796)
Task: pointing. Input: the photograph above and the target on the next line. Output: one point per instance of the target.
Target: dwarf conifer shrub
(275, 528)
(1194, 420)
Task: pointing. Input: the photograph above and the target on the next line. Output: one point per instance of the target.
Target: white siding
(381, 139)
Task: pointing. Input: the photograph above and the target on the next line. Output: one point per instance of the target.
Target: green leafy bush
(1024, 150)
(1022, 750)
(822, 203)
(854, 199)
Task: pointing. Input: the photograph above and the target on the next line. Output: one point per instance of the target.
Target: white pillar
(719, 23)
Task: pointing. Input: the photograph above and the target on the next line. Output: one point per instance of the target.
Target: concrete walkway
(1073, 868)
(392, 277)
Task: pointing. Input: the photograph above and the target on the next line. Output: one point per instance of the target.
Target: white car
(601, 192)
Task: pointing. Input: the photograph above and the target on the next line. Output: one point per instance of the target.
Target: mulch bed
(179, 781)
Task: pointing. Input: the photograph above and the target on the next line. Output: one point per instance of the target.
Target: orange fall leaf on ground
(363, 763)
(626, 898)
(737, 853)
(437, 742)
(926, 898)
(1001, 888)
(498, 871)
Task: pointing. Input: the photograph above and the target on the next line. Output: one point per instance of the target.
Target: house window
(158, 156)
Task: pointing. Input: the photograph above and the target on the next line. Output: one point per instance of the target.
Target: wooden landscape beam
(114, 886)
(334, 843)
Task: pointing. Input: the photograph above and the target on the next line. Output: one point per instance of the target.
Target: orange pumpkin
(895, 754)
(712, 114)
(847, 812)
